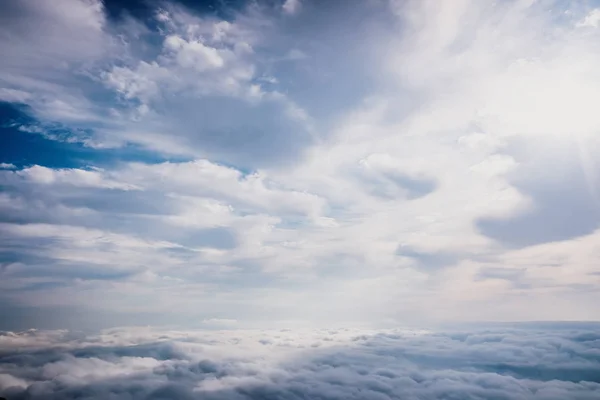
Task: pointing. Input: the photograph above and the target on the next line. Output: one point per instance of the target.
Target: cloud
(41, 44)
(77, 177)
(591, 20)
(13, 96)
(511, 362)
(205, 71)
(383, 160)
(291, 6)
(223, 322)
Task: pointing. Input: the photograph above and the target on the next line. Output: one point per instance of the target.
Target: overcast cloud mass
(518, 362)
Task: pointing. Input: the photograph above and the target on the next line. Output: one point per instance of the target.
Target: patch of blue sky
(26, 141)
(145, 10)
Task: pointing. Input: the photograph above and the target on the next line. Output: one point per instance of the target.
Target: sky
(375, 163)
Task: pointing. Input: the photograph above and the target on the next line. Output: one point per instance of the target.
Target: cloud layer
(294, 160)
(495, 362)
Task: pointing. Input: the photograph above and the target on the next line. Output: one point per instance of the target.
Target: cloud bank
(495, 362)
(298, 160)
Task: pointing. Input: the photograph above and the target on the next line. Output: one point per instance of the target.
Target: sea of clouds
(523, 361)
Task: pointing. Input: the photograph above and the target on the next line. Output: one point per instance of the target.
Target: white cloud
(14, 96)
(76, 177)
(41, 44)
(591, 20)
(194, 54)
(204, 177)
(204, 55)
(179, 100)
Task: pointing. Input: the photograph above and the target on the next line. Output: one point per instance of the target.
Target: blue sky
(298, 161)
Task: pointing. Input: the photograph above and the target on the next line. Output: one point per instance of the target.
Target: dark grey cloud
(535, 361)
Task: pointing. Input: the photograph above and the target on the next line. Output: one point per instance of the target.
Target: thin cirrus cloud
(308, 161)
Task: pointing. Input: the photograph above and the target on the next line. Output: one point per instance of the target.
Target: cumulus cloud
(509, 362)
